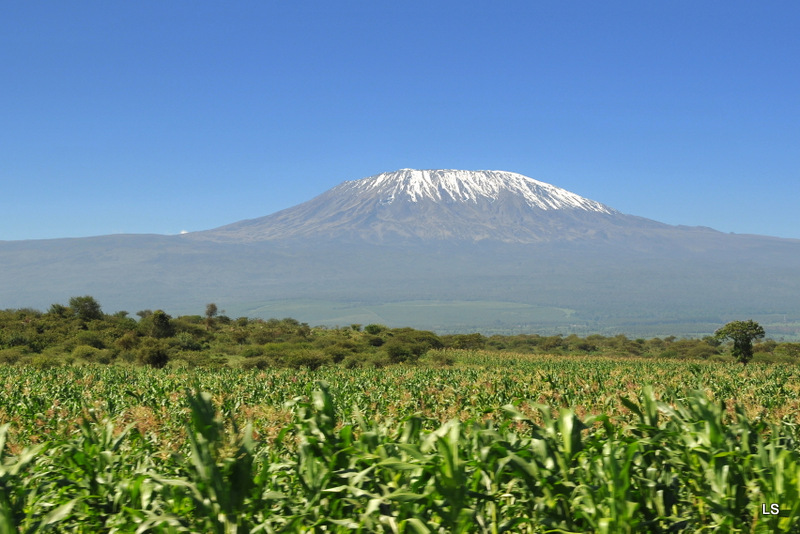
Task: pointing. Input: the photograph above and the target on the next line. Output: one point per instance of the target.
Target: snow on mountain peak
(470, 186)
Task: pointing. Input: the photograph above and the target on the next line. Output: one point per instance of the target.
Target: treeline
(80, 332)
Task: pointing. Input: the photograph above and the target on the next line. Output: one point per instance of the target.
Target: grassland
(497, 442)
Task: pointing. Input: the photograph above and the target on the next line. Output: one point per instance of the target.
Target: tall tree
(162, 325)
(742, 333)
(86, 307)
(211, 312)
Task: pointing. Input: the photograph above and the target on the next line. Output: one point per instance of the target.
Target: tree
(742, 333)
(87, 308)
(211, 312)
(162, 325)
(59, 310)
(158, 325)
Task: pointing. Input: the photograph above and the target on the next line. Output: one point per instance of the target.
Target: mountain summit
(437, 205)
(474, 187)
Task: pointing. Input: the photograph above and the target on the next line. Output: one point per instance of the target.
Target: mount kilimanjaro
(441, 249)
(439, 205)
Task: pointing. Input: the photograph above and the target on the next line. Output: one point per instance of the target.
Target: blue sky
(158, 117)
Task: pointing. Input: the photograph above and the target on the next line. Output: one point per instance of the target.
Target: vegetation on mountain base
(82, 333)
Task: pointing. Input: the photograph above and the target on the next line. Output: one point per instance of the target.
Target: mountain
(439, 205)
(448, 250)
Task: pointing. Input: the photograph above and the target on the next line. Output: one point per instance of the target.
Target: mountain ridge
(438, 205)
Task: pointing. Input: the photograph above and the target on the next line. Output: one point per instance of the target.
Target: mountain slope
(448, 250)
(439, 205)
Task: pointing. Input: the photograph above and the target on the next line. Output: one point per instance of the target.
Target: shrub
(379, 361)
(468, 341)
(252, 351)
(46, 361)
(11, 356)
(441, 358)
(311, 358)
(262, 336)
(257, 363)
(354, 361)
(790, 350)
(187, 341)
(375, 341)
(153, 353)
(89, 338)
(127, 341)
(398, 352)
(374, 329)
(702, 351)
(92, 354)
(340, 350)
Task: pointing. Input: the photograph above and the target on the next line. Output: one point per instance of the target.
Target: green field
(497, 442)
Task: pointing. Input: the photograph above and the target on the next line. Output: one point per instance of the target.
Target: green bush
(92, 354)
(89, 338)
(12, 355)
(153, 353)
(187, 341)
(85, 352)
(375, 341)
(342, 349)
(310, 358)
(252, 351)
(355, 361)
(468, 341)
(374, 329)
(441, 358)
(399, 352)
(703, 351)
(45, 361)
(768, 357)
(257, 363)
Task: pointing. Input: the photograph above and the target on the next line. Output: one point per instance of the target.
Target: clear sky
(159, 117)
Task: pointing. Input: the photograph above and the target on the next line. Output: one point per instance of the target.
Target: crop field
(498, 442)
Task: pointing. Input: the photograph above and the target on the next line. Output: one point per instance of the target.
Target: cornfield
(498, 443)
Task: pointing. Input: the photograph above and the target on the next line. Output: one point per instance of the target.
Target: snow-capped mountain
(450, 250)
(438, 205)
(467, 186)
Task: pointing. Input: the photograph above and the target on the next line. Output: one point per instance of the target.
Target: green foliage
(11, 356)
(153, 353)
(399, 352)
(308, 358)
(652, 460)
(466, 341)
(252, 352)
(187, 341)
(86, 308)
(743, 333)
(160, 325)
(442, 358)
(45, 361)
(374, 329)
(85, 352)
(59, 310)
(407, 344)
(288, 343)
